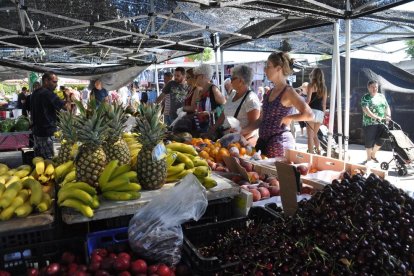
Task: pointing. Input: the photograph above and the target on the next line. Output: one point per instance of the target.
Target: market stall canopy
(92, 38)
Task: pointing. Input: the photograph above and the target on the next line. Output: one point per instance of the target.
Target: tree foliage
(206, 55)
(410, 49)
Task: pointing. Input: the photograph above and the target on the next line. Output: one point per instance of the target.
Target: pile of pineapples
(99, 132)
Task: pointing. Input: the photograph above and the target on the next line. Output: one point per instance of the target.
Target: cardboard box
(298, 157)
(350, 167)
(262, 168)
(242, 203)
(327, 168)
(290, 185)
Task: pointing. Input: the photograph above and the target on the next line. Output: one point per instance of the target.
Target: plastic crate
(27, 237)
(115, 240)
(110, 223)
(217, 210)
(17, 260)
(200, 234)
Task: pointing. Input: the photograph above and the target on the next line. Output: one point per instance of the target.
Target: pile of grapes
(356, 226)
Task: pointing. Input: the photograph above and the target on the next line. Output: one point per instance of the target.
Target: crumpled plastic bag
(227, 139)
(155, 230)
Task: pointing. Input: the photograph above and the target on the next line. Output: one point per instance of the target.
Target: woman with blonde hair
(277, 110)
(317, 95)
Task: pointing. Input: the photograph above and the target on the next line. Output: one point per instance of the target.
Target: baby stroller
(402, 148)
(323, 140)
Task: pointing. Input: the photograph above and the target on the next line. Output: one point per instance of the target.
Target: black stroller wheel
(384, 166)
(402, 172)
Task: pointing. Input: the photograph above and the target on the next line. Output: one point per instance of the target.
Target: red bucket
(3, 115)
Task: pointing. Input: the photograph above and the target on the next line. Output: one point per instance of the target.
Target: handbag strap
(241, 103)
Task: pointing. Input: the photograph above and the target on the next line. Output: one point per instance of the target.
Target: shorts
(374, 135)
(43, 147)
(318, 116)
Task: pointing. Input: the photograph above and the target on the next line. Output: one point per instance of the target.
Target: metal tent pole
(156, 80)
(217, 68)
(223, 89)
(335, 57)
(347, 85)
(339, 103)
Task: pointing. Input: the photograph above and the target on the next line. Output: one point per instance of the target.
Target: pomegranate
(139, 266)
(163, 270)
(121, 264)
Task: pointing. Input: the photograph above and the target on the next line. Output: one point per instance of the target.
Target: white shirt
(250, 103)
(124, 95)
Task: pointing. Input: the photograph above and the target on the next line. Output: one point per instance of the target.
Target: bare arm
(291, 98)
(160, 98)
(218, 96)
(253, 125)
(325, 96)
(192, 107)
(309, 94)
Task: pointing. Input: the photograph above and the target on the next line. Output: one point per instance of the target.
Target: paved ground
(357, 155)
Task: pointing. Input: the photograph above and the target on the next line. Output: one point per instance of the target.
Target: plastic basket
(17, 260)
(207, 233)
(27, 237)
(217, 210)
(115, 240)
(110, 223)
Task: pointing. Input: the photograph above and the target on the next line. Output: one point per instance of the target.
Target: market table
(14, 140)
(112, 209)
(30, 222)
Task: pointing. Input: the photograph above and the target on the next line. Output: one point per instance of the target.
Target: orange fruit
(222, 152)
(207, 141)
(204, 154)
(214, 152)
(242, 151)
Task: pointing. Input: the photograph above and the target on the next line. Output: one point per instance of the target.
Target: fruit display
(134, 147)
(151, 170)
(182, 159)
(14, 125)
(115, 146)
(21, 196)
(67, 137)
(79, 196)
(354, 226)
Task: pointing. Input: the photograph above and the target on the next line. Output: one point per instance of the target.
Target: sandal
(374, 159)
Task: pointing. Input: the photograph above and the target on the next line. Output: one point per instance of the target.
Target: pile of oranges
(214, 151)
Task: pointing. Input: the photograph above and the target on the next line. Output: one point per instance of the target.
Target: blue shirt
(100, 95)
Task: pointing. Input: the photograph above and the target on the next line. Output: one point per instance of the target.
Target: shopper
(375, 110)
(176, 90)
(21, 102)
(278, 104)
(44, 105)
(99, 93)
(242, 104)
(316, 99)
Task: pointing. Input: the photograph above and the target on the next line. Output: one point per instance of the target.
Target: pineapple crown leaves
(148, 123)
(116, 118)
(91, 131)
(67, 125)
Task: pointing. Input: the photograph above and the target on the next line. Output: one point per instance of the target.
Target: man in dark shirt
(21, 100)
(99, 93)
(44, 105)
(36, 86)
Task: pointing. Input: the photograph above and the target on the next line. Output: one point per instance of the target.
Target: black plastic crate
(217, 210)
(207, 233)
(27, 236)
(110, 223)
(17, 260)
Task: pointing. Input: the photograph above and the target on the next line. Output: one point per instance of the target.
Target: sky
(390, 47)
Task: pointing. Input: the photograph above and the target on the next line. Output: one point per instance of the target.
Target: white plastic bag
(155, 230)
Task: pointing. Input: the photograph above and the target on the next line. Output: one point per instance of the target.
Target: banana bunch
(182, 159)
(133, 145)
(44, 170)
(21, 198)
(119, 182)
(79, 196)
(8, 176)
(65, 172)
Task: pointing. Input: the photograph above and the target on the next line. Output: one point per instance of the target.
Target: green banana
(209, 182)
(120, 180)
(81, 186)
(185, 159)
(184, 148)
(3, 168)
(2, 189)
(10, 193)
(62, 170)
(176, 177)
(71, 176)
(202, 171)
(78, 194)
(175, 169)
(24, 210)
(199, 162)
(11, 180)
(125, 187)
(7, 213)
(21, 198)
(107, 172)
(170, 159)
(79, 206)
(36, 190)
(120, 170)
(118, 196)
(95, 203)
(45, 204)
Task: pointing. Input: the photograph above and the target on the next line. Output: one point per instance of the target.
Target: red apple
(302, 169)
(102, 273)
(253, 177)
(53, 269)
(124, 255)
(32, 272)
(121, 264)
(139, 266)
(256, 195)
(72, 268)
(274, 191)
(264, 192)
(124, 273)
(236, 178)
(82, 268)
(100, 251)
(94, 266)
(96, 258)
(163, 270)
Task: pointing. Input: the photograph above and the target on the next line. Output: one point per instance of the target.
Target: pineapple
(115, 146)
(151, 173)
(91, 158)
(68, 138)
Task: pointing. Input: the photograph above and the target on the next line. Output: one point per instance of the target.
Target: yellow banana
(21, 173)
(24, 210)
(123, 187)
(199, 162)
(118, 196)
(170, 159)
(11, 172)
(81, 186)
(2, 189)
(36, 190)
(62, 170)
(7, 213)
(95, 203)
(120, 180)
(79, 206)
(77, 194)
(43, 178)
(120, 170)
(37, 159)
(185, 159)
(107, 172)
(45, 204)
(21, 198)
(209, 182)
(10, 193)
(3, 168)
(11, 180)
(183, 148)
(71, 176)
(39, 164)
(4, 178)
(24, 167)
(202, 171)
(175, 169)
(50, 169)
(176, 177)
